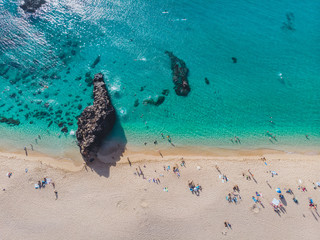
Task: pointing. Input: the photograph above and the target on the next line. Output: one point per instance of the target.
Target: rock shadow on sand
(110, 152)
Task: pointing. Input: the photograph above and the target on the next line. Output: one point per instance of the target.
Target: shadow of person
(314, 216)
(110, 151)
(284, 201)
(278, 212)
(283, 209)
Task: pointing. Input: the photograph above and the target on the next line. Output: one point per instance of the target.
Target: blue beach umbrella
(278, 190)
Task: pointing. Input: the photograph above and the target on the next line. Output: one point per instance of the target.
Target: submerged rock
(96, 61)
(165, 92)
(179, 75)
(64, 129)
(88, 79)
(142, 88)
(289, 24)
(10, 121)
(136, 103)
(96, 121)
(156, 102)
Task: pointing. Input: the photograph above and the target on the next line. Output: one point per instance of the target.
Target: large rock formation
(96, 121)
(179, 75)
(32, 5)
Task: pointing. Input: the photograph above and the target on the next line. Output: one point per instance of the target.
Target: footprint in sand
(121, 205)
(255, 209)
(144, 204)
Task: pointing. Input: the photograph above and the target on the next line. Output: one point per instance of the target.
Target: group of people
(44, 182)
(195, 189)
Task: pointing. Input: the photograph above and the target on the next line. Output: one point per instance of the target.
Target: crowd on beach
(278, 204)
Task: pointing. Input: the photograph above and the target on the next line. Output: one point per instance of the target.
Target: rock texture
(32, 5)
(179, 75)
(96, 121)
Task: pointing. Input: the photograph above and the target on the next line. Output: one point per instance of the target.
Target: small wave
(122, 113)
(115, 88)
(141, 59)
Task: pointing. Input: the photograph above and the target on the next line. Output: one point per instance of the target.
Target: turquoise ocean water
(46, 58)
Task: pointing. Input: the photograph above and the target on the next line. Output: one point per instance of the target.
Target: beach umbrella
(275, 202)
(278, 190)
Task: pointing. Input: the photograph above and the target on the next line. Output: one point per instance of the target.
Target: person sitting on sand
(183, 163)
(254, 199)
(304, 189)
(191, 184)
(289, 191)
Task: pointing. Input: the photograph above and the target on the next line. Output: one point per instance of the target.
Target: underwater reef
(179, 75)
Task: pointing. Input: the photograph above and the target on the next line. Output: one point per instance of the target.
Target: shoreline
(73, 162)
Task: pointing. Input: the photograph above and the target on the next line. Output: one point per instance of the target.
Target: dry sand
(102, 201)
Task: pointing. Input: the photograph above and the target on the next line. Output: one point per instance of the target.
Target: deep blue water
(44, 59)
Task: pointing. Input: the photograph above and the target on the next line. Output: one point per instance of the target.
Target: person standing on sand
(225, 224)
(56, 193)
(25, 149)
(218, 169)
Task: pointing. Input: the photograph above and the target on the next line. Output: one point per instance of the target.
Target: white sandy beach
(111, 202)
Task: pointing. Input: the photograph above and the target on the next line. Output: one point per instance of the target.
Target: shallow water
(46, 63)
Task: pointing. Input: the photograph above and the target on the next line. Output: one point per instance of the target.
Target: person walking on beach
(129, 161)
(218, 169)
(56, 193)
(25, 149)
(226, 224)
